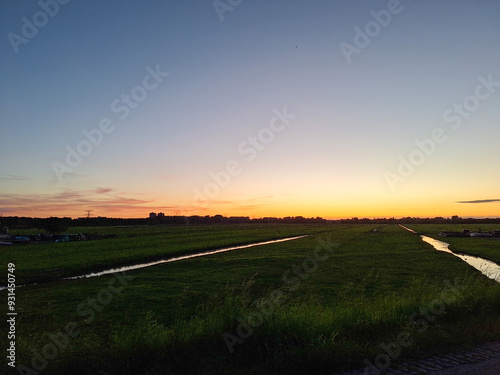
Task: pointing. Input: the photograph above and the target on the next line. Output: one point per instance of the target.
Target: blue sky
(352, 120)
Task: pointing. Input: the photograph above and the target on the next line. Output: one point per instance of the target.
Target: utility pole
(88, 213)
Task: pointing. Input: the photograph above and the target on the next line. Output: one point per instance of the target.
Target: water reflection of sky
(149, 264)
(487, 267)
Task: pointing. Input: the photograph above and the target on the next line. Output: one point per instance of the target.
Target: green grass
(170, 318)
(487, 248)
(51, 261)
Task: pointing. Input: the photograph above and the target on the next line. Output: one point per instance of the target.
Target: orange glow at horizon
(332, 211)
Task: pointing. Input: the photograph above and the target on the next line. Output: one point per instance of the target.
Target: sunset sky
(313, 108)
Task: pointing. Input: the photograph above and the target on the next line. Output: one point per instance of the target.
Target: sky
(250, 108)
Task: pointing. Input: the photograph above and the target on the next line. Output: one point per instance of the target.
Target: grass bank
(487, 248)
(52, 261)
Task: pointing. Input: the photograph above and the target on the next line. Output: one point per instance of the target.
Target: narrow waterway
(486, 267)
(169, 260)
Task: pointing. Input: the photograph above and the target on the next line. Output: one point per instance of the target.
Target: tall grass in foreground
(302, 336)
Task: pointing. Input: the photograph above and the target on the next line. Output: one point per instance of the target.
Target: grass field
(51, 261)
(326, 302)
(487, 248)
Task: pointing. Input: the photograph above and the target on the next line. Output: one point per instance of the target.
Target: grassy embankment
(171, 318)
(52, 261)
(487, 248)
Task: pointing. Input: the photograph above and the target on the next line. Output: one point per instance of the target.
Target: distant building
(161, 214)
(152, 215)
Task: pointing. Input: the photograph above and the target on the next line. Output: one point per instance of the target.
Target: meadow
(346, 296)
(133, 244)
(487, 248)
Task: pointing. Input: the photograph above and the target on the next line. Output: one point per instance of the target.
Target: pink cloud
(103, 190)
(73, 203)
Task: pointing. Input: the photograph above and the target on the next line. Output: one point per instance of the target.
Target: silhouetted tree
(54, 225)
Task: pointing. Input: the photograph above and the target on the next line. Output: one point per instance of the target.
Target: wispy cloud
(70, 176)
(250, 207)
(15, 177)
(103, 190)
(73, 203)
(221, 202)
(481, 201)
